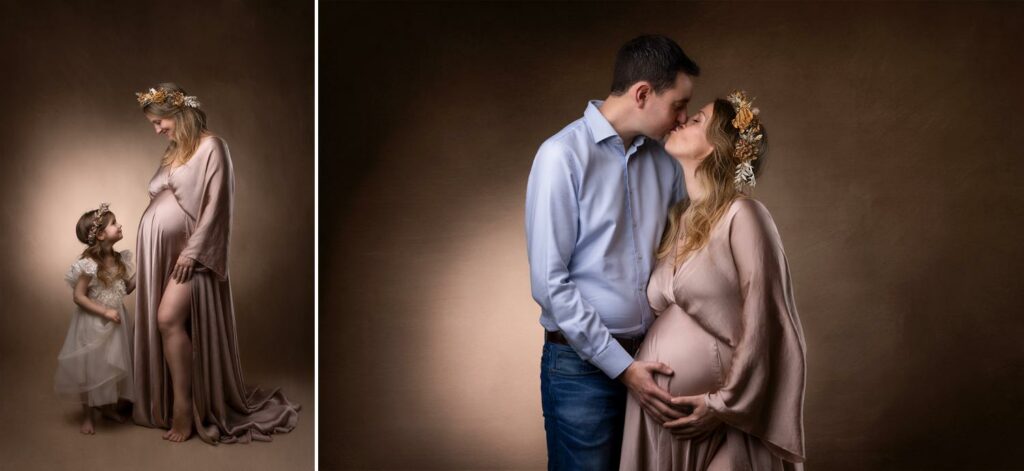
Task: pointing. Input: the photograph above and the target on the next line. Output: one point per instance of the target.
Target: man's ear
(641, 92)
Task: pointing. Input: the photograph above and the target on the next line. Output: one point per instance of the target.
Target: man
(596, 203)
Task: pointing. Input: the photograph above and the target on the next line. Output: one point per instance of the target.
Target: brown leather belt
(631, 344)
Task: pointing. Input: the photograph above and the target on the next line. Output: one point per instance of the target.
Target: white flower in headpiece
(191, 101)
(744, 175)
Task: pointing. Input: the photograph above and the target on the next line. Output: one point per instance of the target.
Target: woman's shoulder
(747, 206)
(217, 146)
(750, 213)
(212, 140)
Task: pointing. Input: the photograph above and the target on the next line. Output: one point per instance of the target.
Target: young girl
(94, 366)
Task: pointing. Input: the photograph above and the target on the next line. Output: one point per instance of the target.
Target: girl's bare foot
(181, 424)
(109, 411)
(87, 426)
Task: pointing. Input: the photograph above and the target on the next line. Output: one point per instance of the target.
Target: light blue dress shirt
(594, 217)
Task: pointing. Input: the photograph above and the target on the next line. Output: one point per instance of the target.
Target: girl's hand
(113, 315)
(699, 423)
(130, 285)
(183, 269)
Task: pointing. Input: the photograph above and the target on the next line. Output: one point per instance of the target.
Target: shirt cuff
(613, 360)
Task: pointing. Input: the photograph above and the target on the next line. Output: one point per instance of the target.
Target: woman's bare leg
(174, 310)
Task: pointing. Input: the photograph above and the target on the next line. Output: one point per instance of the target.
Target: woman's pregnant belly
(164, 226)
(699, 360)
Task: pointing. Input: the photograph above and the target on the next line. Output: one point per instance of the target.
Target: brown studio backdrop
(893, 176)
(73, 136)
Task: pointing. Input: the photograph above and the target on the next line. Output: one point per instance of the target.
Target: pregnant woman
(727, 323)
(188, 375)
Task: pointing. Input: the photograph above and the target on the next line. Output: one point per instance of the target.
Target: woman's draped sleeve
(764, 391)
(210, 202)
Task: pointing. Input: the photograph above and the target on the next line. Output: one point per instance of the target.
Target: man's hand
(657, 402)
(696, 425)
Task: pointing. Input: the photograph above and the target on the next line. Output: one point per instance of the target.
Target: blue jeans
(584, 412)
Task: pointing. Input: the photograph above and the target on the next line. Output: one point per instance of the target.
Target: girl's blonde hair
(95, 251)
(189, 124)
(716, 172)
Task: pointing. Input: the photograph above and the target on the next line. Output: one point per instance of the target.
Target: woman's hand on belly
(699, 423)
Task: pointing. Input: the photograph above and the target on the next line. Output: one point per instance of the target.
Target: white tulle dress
(95, 364)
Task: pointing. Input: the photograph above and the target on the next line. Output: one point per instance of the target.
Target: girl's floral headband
(97, 219)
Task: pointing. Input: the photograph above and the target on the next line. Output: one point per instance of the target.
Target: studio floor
(41, 431)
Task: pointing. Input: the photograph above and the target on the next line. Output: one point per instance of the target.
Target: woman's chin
(675, 152)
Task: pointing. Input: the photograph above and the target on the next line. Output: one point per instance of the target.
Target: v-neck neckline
(675, 251)
(676, 269)
(172, 170)
(689, 257)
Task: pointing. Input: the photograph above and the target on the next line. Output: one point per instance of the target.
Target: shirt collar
(599, 126)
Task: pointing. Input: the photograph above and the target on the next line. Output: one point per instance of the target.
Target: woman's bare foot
(87, 426)
(181, 425)
(110, 412)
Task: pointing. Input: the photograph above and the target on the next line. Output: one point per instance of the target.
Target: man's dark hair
(652, 58)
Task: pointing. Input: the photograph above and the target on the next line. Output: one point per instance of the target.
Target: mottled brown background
(72, 136)
(894, 177)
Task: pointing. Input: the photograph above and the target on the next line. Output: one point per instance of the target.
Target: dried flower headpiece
(165, 96)
(96, 220)
(749, 125)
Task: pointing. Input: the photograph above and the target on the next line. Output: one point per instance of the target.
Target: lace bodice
(111, 296)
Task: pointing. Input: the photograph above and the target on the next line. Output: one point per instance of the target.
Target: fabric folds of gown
(727, 325)
(189, 212)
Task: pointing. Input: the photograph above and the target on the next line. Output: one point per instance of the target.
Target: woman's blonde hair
(716, 172)
(94, 250)
(189, 124)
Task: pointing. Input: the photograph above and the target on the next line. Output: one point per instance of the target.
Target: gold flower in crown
(749, 126)
(163, 96)
(743, 118)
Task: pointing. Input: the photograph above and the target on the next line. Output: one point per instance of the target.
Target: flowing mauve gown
(727, 326)
(189, 214)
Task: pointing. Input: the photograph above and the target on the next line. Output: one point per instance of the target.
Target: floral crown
(96, 220)
(749, 126)
(164, 96)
